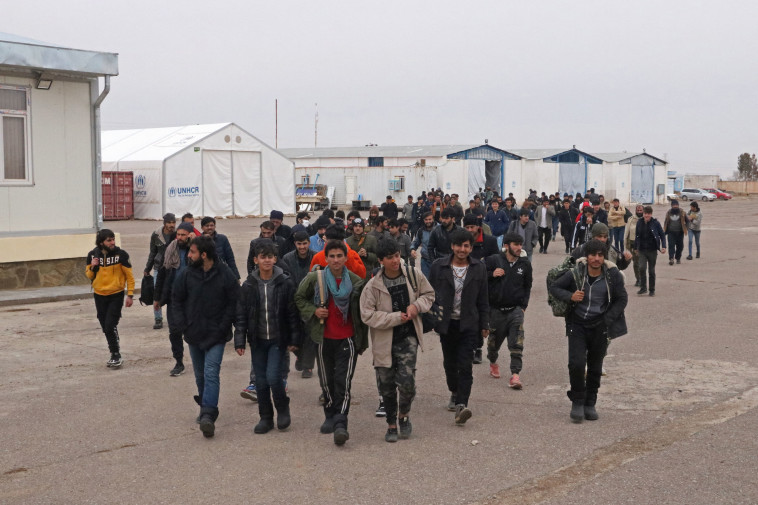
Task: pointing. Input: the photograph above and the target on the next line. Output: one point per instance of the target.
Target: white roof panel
(152, 144)
(374, 151)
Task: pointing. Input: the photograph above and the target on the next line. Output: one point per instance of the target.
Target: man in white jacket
(391, 306)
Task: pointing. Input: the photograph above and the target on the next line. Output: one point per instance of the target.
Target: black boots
(265, 425)
(283, 419)
(208, 416)
(577, 411)
(590, 413)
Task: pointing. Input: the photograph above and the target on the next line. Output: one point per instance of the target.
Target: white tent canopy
(209, 170)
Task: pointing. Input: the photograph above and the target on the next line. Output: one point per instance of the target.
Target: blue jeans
(556, 222)
(617, 235)
(267, 360)
(696, 234)
(426, 267)
(207, 365)
(158, 313)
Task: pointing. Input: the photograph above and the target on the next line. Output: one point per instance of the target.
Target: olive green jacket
(304, 301)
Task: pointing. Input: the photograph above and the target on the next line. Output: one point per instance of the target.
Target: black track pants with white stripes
(336, 366)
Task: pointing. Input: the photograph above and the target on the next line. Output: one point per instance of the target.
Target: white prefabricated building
(215, 170)
(373, 172)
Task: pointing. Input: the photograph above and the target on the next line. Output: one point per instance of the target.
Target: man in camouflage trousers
(391, 306)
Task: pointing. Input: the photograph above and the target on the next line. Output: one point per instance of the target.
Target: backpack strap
(411, 275)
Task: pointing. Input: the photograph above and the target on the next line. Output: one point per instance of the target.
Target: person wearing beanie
(159, 239)
(174, 263)
(599, 232)
(282, 230)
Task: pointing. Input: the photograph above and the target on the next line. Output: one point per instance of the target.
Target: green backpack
(560, 308)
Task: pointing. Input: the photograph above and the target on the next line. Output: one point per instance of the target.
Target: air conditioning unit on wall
(397, 184)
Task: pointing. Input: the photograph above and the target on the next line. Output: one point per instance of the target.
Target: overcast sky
(676, 77)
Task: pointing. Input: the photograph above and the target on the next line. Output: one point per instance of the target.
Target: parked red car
(720, 193)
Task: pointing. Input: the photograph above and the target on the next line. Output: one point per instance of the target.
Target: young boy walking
(391, 306)
(268, 320)
(329, 303)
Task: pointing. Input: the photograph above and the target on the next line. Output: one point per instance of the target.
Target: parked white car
(697, 194)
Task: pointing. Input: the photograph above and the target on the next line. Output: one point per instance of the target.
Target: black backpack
(147, 291)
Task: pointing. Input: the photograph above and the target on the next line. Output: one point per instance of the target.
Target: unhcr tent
(215, 170)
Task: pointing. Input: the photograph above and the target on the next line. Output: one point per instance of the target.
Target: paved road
(678, 408)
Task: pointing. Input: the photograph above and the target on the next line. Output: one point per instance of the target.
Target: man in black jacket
(223, 247)
(460, 284)
(597, 297)
(567, 216)
(205, 299)
(268, 320)
(174, 262)
(298, 263)
(282, 230)
(389, 208)
(510, 286)
(439, 240)
(268, 234)
(649, 239)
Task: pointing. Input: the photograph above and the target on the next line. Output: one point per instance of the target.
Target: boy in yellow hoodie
(108, 268)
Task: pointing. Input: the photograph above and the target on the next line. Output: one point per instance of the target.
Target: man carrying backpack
(595, 296)
(509, 285)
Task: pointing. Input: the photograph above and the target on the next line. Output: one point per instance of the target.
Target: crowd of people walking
(328, 290)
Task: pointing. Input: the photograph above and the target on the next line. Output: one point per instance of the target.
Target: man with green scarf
(329, 303)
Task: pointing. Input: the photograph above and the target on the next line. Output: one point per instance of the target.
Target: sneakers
(515, 382)
(652, 292)
(207, 426)
(115, 360)
(495, 370)
(405, 427)
(567, 250)
(542, 249)
(577, 411)
(642, 290)
(451, 404)
(390, 436)
(697, 255)
(637, 284)
(158, 324)
(341, 436)
(249, 393)
(380, 410)
(689, 257)
(671, 261)
(462, 414)
(679, 262)
(177, 370)
(298, 365)
(590, 413)
(477, 356)
(307, 373)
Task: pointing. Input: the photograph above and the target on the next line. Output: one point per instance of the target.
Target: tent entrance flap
(217, 183)
(476, 178)
(246, 168)
(643, 183)
(492, 175)
(572, 178)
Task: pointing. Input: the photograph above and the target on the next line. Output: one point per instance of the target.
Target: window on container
(14, 163)
(376, 162)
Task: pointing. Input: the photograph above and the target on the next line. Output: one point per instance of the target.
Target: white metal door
(351, 188)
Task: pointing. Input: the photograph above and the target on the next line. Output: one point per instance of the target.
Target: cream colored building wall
(61, 196)
(48, 247)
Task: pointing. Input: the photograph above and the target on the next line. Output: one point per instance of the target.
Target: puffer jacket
(695, 219)
(376, 312)
(277, 306)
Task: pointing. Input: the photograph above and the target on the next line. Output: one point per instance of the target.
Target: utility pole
(315, 136)
(276, 123)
